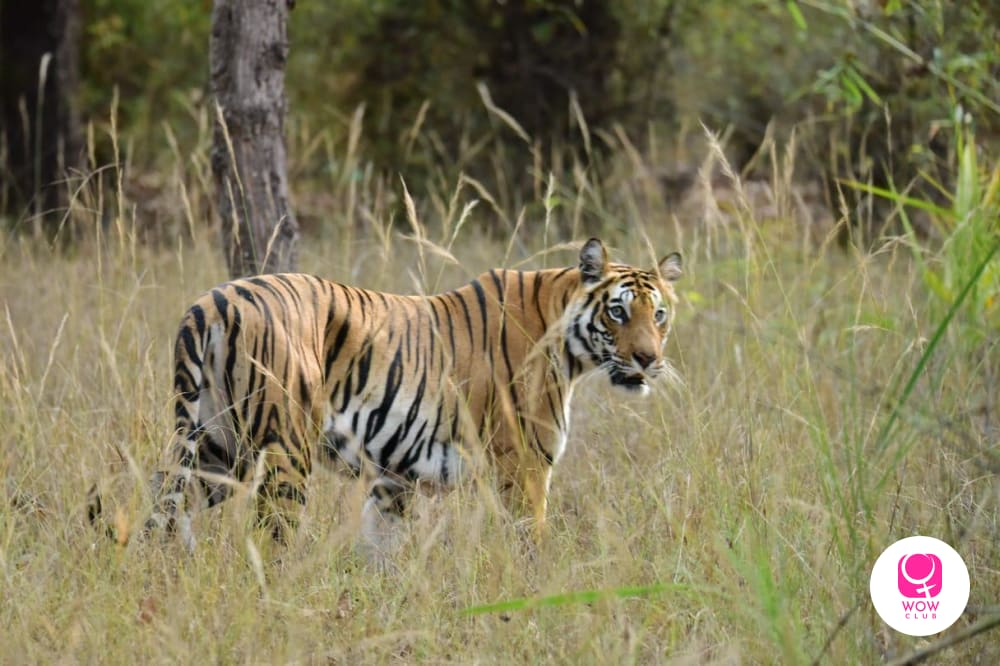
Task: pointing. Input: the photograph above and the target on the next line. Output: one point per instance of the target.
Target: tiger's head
(620, 322)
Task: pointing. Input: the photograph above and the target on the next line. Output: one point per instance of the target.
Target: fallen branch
(918, 656)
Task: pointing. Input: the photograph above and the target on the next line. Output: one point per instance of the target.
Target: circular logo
(920, 586)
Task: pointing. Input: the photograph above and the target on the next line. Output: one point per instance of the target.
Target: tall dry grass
(732, 519)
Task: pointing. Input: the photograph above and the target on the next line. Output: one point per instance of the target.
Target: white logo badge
(920, 586)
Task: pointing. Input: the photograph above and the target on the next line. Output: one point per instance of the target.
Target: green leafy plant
(969, 229)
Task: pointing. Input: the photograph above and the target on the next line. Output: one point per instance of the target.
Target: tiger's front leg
(280, 479)
(524, 483)
(536, 492)
(382, 517)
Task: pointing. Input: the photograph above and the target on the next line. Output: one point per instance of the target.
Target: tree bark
(39, 121)
(248, 51)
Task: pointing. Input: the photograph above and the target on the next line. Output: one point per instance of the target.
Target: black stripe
(390, 447)
(481, 299)
(221, 304)
(250, 392)
(536, 442)
(434, 430)
(364, 366)
(444, 464)
(182, 418)
(184, 383)
(393, 381)
(198, 314)
(214, 451)
(415, 451)
(403, 431)
(338, 344)
(536, 297)
(556, 414)
(468, 317)
(503, 334)
(289, 491)
(258, 420)
(348, 377)
(304, 393)
(231, 354)
(244, 293)
(453, 435)
(451, 330)
(190, 346)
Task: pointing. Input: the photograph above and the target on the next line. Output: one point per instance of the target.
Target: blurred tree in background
(248, 52)
(39, 122)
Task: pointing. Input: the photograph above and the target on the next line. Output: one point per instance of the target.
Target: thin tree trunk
(39, 122)
(248, 50)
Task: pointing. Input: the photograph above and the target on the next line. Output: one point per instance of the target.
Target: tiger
(276, 373)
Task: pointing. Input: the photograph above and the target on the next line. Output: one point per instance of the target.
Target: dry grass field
(732, 518)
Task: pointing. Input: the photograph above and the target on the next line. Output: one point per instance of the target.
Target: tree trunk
(248, 50)
(39, 123)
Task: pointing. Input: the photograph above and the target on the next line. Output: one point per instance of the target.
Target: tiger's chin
(635, 384)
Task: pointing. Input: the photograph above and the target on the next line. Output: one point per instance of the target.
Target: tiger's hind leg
(169, 488)
(193, 408)
(175, 497)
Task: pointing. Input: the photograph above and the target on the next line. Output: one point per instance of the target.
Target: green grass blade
(800, 20)
(899, 198)
(881, 442)
(864, 86)
(578, 597)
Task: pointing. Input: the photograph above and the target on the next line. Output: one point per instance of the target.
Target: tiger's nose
(644, 359)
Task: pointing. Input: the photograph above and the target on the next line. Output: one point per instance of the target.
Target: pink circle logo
(920, 586)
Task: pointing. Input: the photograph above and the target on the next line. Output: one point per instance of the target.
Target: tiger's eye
(660, 316)
(617, 312)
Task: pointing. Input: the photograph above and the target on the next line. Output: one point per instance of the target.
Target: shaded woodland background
(872, 91)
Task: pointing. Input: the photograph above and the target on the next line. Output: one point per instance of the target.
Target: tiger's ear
(670, 266)
(593, 261)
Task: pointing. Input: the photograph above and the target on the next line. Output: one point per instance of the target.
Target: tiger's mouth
(630, 382)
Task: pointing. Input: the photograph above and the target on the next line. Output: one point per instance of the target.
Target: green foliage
(420, 64)
(886, 99)
(154, 53)
(970, 231)
(870, 85)
(737, 65)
